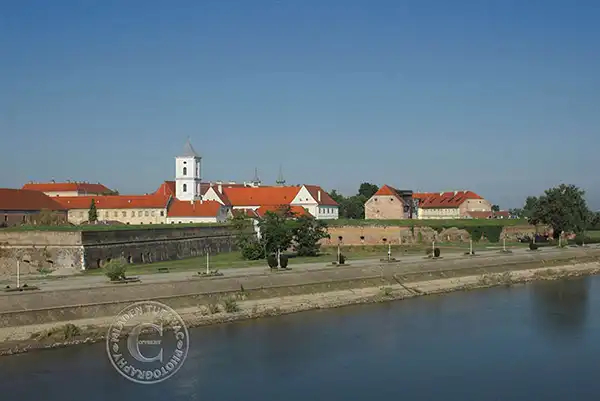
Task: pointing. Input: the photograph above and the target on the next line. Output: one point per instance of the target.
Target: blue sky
(499, 97)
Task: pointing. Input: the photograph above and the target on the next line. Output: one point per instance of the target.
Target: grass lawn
(429, 223)
(230, 260)
(593, 234)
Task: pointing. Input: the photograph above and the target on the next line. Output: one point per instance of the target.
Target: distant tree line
(353, 207)
(563, 208)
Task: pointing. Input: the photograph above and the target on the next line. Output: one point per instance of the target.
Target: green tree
(495, 208)
(367, 189)
(563, 208)
(517, 212)
(277, 231)
(530, 207)
(93, 213)
(355, 207)
(246, 240)
(307, 232)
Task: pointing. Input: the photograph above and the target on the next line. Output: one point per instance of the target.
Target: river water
(534, 342)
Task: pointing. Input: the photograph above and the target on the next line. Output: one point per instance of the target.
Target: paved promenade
(87, 281)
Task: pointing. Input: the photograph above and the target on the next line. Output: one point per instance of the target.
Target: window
(5, 218)
(124, 214)
(140, 213)
(116, 214)
(153, 213)
(184, 187)
(391, 199)
(132, 213)
(185, 171)
(146, 213)
(162, 213)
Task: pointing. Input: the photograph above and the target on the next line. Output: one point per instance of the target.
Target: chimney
(220, 187)
(455, 193)
(319, 196)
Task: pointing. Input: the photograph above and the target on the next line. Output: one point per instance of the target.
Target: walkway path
(85, 281)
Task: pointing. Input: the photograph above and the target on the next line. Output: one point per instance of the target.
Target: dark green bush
(533, 246)
(272, 261)
(437, 252)
(342, 259)
(115, 270)
(492, 233)
(475, 232)
(283, 261)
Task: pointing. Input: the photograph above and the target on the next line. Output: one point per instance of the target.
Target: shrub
(230, 305)
(272, 261)
(419, 237)
(60, 333)
(115, 270)
(428, 251)
(251, 249)
(533, 246)
(342, 259)
(283, 261)
(214, 308)
(436, 252)
(492, 233)
(475, 232)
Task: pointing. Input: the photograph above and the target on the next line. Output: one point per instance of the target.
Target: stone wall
(154, 245)
(374, 235)
(51, 250)
(39, 250)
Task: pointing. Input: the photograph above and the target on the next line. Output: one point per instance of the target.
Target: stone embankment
(280, 293)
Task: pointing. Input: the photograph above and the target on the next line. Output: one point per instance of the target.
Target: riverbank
(387, 287)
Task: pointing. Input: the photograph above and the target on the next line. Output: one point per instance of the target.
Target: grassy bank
(232, 260)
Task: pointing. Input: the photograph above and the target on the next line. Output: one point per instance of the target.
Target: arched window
(184, 187)
(185, 171)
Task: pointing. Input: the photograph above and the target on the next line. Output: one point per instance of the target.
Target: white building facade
(188, 174)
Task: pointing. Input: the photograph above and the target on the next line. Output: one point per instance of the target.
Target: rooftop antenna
(256, 179)
(280, 179)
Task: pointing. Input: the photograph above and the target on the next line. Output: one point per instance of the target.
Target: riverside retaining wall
(107, 300)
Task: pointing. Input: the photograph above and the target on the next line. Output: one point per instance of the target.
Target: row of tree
(353, 207)
(563, 208)
(279, 231)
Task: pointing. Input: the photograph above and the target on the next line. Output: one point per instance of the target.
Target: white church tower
(187, 174)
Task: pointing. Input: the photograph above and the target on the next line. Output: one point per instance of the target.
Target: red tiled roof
(166, 188)
(326, 200)
(296, 210)
(444, 199)
(386, 190)
(114, 201)
(26, 200)
(260, 196)
(68, 187)
(179, 208)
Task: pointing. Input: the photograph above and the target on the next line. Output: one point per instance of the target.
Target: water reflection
(561, 307)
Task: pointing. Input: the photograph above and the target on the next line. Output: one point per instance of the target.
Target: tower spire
(256, 179)
(280, 179)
